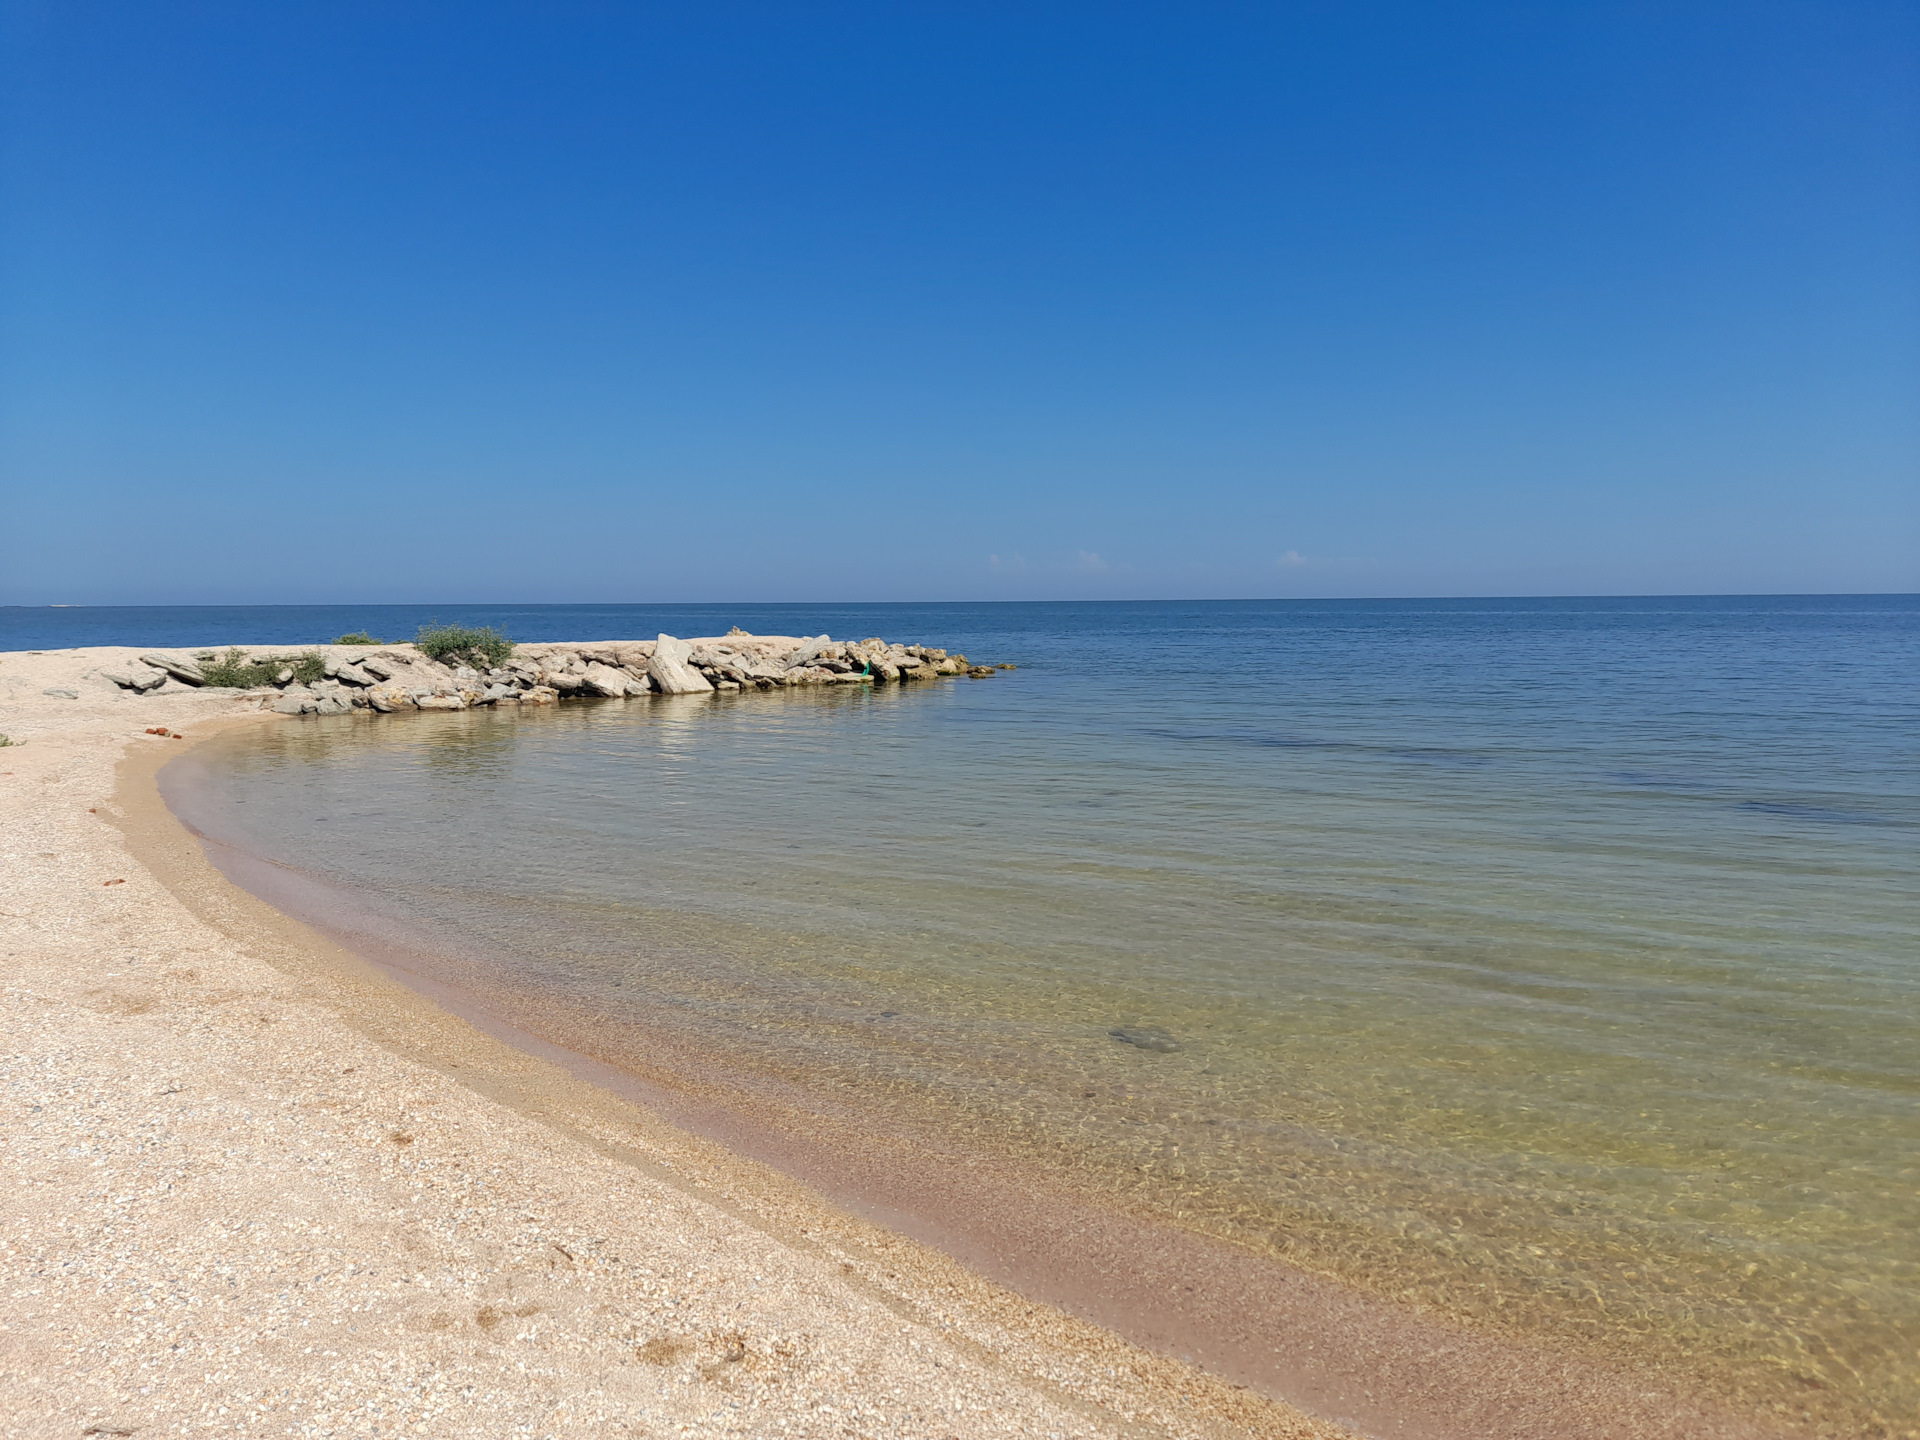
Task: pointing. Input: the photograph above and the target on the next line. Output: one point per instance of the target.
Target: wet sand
(378, 1197)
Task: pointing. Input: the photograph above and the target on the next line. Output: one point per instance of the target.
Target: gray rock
(177, 666)
(807, 651)
(138, 678)
(331, 705)
(439, 702)
(352, 675)
(295, 703)
(607, 681)
(381, 667)
(670, 672)
(62, 694)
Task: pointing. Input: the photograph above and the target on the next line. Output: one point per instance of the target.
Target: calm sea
(1554, 962)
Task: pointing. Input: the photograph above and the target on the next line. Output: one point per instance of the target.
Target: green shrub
(484, 648)
(359, 637)
(235, 670)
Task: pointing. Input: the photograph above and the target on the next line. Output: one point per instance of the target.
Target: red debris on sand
(158, 730)
(113, 882)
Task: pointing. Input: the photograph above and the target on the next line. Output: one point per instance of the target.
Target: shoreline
(1385, 1368)
(255, 1185)
(566, 1094)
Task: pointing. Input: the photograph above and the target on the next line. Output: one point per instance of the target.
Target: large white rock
(136, 677)
(177, 666)
(388, 698)
(669, 671)
(607, 681)
(807, 651)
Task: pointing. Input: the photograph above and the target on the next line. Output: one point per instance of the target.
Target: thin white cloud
(1291, 559)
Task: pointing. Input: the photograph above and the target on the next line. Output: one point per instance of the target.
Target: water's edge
(1313, 1342)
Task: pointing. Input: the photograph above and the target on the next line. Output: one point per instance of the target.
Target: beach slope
(251, 1186)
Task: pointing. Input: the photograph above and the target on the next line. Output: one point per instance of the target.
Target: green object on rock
(481, 647)
(235, 670)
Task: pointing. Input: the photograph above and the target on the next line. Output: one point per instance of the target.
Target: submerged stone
(1145, 1037)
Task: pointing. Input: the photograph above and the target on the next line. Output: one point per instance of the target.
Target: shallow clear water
(1554, 962)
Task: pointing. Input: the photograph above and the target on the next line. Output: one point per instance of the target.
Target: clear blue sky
(710, 301)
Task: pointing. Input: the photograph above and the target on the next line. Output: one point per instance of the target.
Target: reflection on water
(1556, 967)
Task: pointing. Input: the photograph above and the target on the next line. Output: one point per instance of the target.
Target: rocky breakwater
(337, 679)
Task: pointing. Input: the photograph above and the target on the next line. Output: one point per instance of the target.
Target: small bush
(359, 637)
(484, 648)
(236, 671)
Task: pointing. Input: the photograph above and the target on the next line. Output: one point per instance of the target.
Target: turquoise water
(1551, 962)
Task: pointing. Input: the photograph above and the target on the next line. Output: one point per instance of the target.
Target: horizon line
(798, 604)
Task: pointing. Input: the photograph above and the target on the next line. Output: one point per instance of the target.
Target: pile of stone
(387, 678)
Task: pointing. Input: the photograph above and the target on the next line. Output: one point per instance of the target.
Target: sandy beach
(255, 1185)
